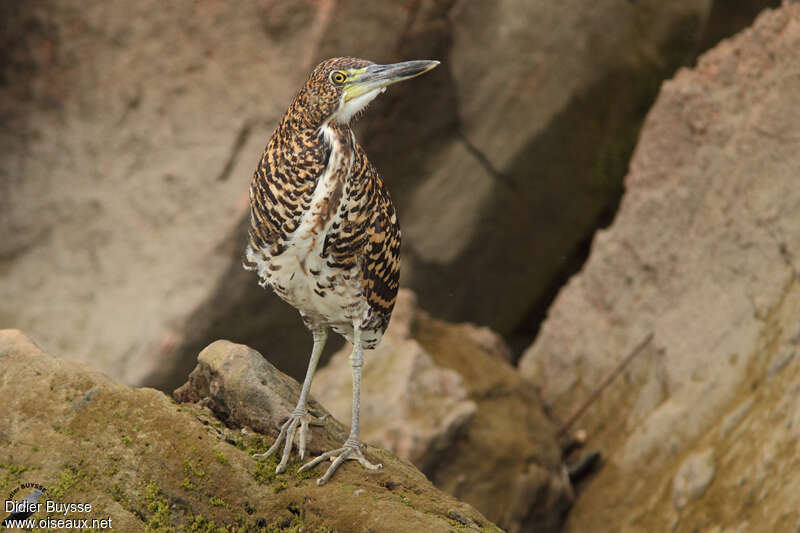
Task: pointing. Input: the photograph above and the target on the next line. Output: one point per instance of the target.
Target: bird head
(339, 88)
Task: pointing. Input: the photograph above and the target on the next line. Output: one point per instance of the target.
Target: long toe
(281, 436)
(287, 438)
(339, 456)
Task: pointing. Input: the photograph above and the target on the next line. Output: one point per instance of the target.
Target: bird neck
(335, 133)
(296, 124)
(295, 121)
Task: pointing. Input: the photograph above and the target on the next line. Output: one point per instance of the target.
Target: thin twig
(604, 384)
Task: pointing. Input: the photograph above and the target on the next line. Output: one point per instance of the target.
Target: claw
(350, 451)
(301, 446)
(286, 436)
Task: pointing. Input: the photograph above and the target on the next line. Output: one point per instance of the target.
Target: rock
(491, 342)
(543, 106)
(147, 462)
(130, 135)
(780, 360)
(434, 393)
(693, 478)
(243, 389)
(705, 253)
(732, 420)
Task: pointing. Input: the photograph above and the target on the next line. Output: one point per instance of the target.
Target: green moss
(264, 474)
(162, 519)
(117, 494)
(279, 485)
(62, 431)
(68, 478)
(217, 502)
(200, 524)
(264, 471)
(221, 459)
(252, 445)
(157, 504)
(459, 526)
(191, 468)
(194, 474)
(294, 508)
(294, 526)
(12, 474)
(126, 440)
(294, 471)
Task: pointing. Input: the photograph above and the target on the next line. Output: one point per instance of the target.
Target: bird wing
(282, 188)
(380, 268)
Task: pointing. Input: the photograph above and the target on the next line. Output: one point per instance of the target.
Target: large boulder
(545, 106)
(704, 253)
(149, 463)
(130, 133)
(444, 396)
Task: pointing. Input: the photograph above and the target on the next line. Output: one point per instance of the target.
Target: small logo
(57, 515)
(24, 508)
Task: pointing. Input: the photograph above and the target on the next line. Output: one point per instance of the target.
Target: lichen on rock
(152, 464)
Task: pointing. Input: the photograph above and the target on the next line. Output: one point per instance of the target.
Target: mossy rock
(152, 464)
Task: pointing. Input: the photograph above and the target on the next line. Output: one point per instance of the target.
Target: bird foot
(304, 418)
(351, 450)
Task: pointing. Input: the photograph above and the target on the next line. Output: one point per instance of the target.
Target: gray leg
(300, 414)
(352, 446)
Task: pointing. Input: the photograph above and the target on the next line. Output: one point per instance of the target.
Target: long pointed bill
(380, 76)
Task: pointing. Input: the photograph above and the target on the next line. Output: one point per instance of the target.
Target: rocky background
(130, 131)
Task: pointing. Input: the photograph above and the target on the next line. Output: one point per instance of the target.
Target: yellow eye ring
(338, 77)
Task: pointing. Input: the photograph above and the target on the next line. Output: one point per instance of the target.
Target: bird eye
(338, 77)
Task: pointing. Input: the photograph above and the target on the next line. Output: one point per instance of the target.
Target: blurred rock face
(545, 103)
(131, 133)
(443, 396)
(705, 253)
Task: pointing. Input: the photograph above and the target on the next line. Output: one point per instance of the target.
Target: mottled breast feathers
(355, 218)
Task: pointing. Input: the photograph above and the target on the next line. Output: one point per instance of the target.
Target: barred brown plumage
(323, 230)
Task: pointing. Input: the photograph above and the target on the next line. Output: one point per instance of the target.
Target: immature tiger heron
(323, 230)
